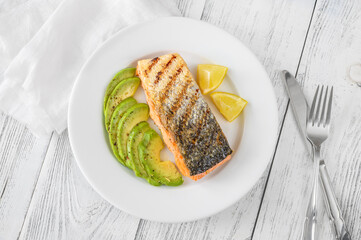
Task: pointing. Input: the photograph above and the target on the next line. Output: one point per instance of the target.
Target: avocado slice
(134, 115)
(149, 153)
(121, 75)
(135, 136)
(116, 116)
(124, 89)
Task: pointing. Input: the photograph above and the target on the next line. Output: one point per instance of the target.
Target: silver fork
(318, 125)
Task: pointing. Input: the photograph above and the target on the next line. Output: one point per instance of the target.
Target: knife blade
(300, 109)
(299, 105)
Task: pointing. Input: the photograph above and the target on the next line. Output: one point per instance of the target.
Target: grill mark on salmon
(188, 126)
(169, 97)
(153, 62)
(188, 93)
(169, 72)
(157, 78)
(161, 72)
(188, 112)
(169, 85)
(178, 100)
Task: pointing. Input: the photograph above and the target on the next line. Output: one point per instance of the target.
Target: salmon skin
(178, 108)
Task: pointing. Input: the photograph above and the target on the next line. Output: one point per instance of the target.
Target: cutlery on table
(300, 108)
(317, 129)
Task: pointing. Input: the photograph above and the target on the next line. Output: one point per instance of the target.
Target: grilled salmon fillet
(177, 107)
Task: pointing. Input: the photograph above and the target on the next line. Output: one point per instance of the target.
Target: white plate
(252, 136)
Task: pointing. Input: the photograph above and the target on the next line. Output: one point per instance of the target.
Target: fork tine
(329, 105)
(323, 117)
(311, 113)
(318, 108)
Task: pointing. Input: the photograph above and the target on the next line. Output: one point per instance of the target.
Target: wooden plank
(191, 8)
(275, 32)
(332, 47)
(21, 157)
(65, 206)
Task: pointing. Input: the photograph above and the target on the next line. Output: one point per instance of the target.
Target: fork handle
(334, 212)
(310, 224)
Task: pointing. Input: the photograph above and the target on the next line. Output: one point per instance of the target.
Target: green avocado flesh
(135, 136)
(121, 75)
(134, 115)
(116, 116)
(123, 90)
(134, 143)
(149, 153)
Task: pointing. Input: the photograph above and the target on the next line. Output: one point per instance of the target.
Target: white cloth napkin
(38, 82)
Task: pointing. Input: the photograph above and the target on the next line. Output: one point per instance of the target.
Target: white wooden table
(43, 195)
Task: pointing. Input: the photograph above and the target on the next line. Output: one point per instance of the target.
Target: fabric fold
(38, 82)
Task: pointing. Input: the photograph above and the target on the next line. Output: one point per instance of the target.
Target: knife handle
(333, 209)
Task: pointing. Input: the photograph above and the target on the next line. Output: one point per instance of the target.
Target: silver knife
(299, 107)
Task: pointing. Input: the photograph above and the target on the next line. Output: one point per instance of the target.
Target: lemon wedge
(228, 104)
(210, 76)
